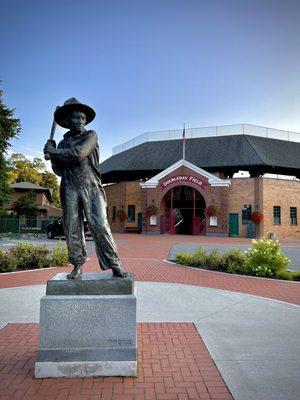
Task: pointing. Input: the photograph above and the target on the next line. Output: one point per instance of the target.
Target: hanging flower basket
(257, 217)
(121, 214)
(151, 210)
(212, 210)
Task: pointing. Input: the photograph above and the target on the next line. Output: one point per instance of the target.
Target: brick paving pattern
(173, 360)
(143, 255)
(173, 364)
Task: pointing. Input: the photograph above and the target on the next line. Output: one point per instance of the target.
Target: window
(293, 215)
(276, 215)
(246, 213)
(114, 213)
(131, 214)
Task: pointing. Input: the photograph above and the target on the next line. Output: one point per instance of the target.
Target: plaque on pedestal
(88, 327)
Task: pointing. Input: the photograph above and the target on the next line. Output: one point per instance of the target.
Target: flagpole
(183, 144)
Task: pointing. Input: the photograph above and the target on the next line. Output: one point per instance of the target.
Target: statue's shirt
(77, 158)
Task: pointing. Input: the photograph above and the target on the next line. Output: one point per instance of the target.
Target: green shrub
(197, 259)
(284, 274)
(200, 258)
(288, 275)
(185, 259)
(215, 261)
(234, 262)
(7, 262)
(59, 255)
(295, 275)
(231, 260)
(265, 259)
(29, 256)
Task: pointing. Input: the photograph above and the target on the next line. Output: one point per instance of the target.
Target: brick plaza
(174, 362)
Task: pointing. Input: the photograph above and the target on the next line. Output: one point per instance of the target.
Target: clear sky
(150, 65)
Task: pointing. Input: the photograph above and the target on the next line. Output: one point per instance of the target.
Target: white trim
(220, 184)
(213, 180)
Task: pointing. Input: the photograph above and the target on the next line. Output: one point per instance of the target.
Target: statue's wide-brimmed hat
(70, 105)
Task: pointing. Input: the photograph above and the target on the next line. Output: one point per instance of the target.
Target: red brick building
(185, 192)
(43, 197)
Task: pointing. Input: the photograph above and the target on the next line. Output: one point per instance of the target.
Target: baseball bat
(47, 155)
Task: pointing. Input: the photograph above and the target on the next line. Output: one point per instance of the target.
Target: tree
(26, 205)
(24, 170)
(49, 180)
(9, 128)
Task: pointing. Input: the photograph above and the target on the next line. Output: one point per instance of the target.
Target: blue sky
(150, 65)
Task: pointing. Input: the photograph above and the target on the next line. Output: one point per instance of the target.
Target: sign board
(153, 220)
(213, 221)
(183, 179)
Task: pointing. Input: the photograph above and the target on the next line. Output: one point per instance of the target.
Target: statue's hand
(53, 142)
(50, 147)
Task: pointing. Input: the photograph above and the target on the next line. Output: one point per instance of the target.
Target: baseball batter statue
(76, 160)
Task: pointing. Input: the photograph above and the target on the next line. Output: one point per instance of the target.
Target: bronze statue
(76, 160)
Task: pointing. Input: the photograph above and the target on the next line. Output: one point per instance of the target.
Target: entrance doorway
(233, 224)
(184, 212)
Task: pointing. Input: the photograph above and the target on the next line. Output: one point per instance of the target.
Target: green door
(233, 224)
(140, 220)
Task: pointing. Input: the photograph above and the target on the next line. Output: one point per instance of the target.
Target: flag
(183, 142)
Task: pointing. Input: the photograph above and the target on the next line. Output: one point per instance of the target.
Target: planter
(212, 211)
(257, 217)
(121, 215)
(151, 210)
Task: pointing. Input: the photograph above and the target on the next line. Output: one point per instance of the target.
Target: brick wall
(115, 197)
(241, 192)
(261, 193)
(41, 199)
(211, 195)
(284, 193)
(52, 211)
(121, 195)
(133, 197)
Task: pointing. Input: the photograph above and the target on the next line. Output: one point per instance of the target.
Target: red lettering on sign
(182, 178)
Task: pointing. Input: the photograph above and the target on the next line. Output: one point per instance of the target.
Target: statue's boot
(76, 273)
(118, 272)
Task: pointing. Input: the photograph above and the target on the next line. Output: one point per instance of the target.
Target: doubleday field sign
(183, 178)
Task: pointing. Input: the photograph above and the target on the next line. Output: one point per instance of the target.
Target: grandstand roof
(256, 154)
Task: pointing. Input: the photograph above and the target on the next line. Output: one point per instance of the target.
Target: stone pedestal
(88, 327)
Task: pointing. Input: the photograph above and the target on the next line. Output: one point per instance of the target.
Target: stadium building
(238, 180)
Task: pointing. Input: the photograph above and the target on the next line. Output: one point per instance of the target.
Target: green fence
(18, 225)
(9, 225)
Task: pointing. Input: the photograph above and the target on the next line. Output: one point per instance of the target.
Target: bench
(133, 229)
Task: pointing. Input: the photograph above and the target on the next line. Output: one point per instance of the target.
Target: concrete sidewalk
(255, 342)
